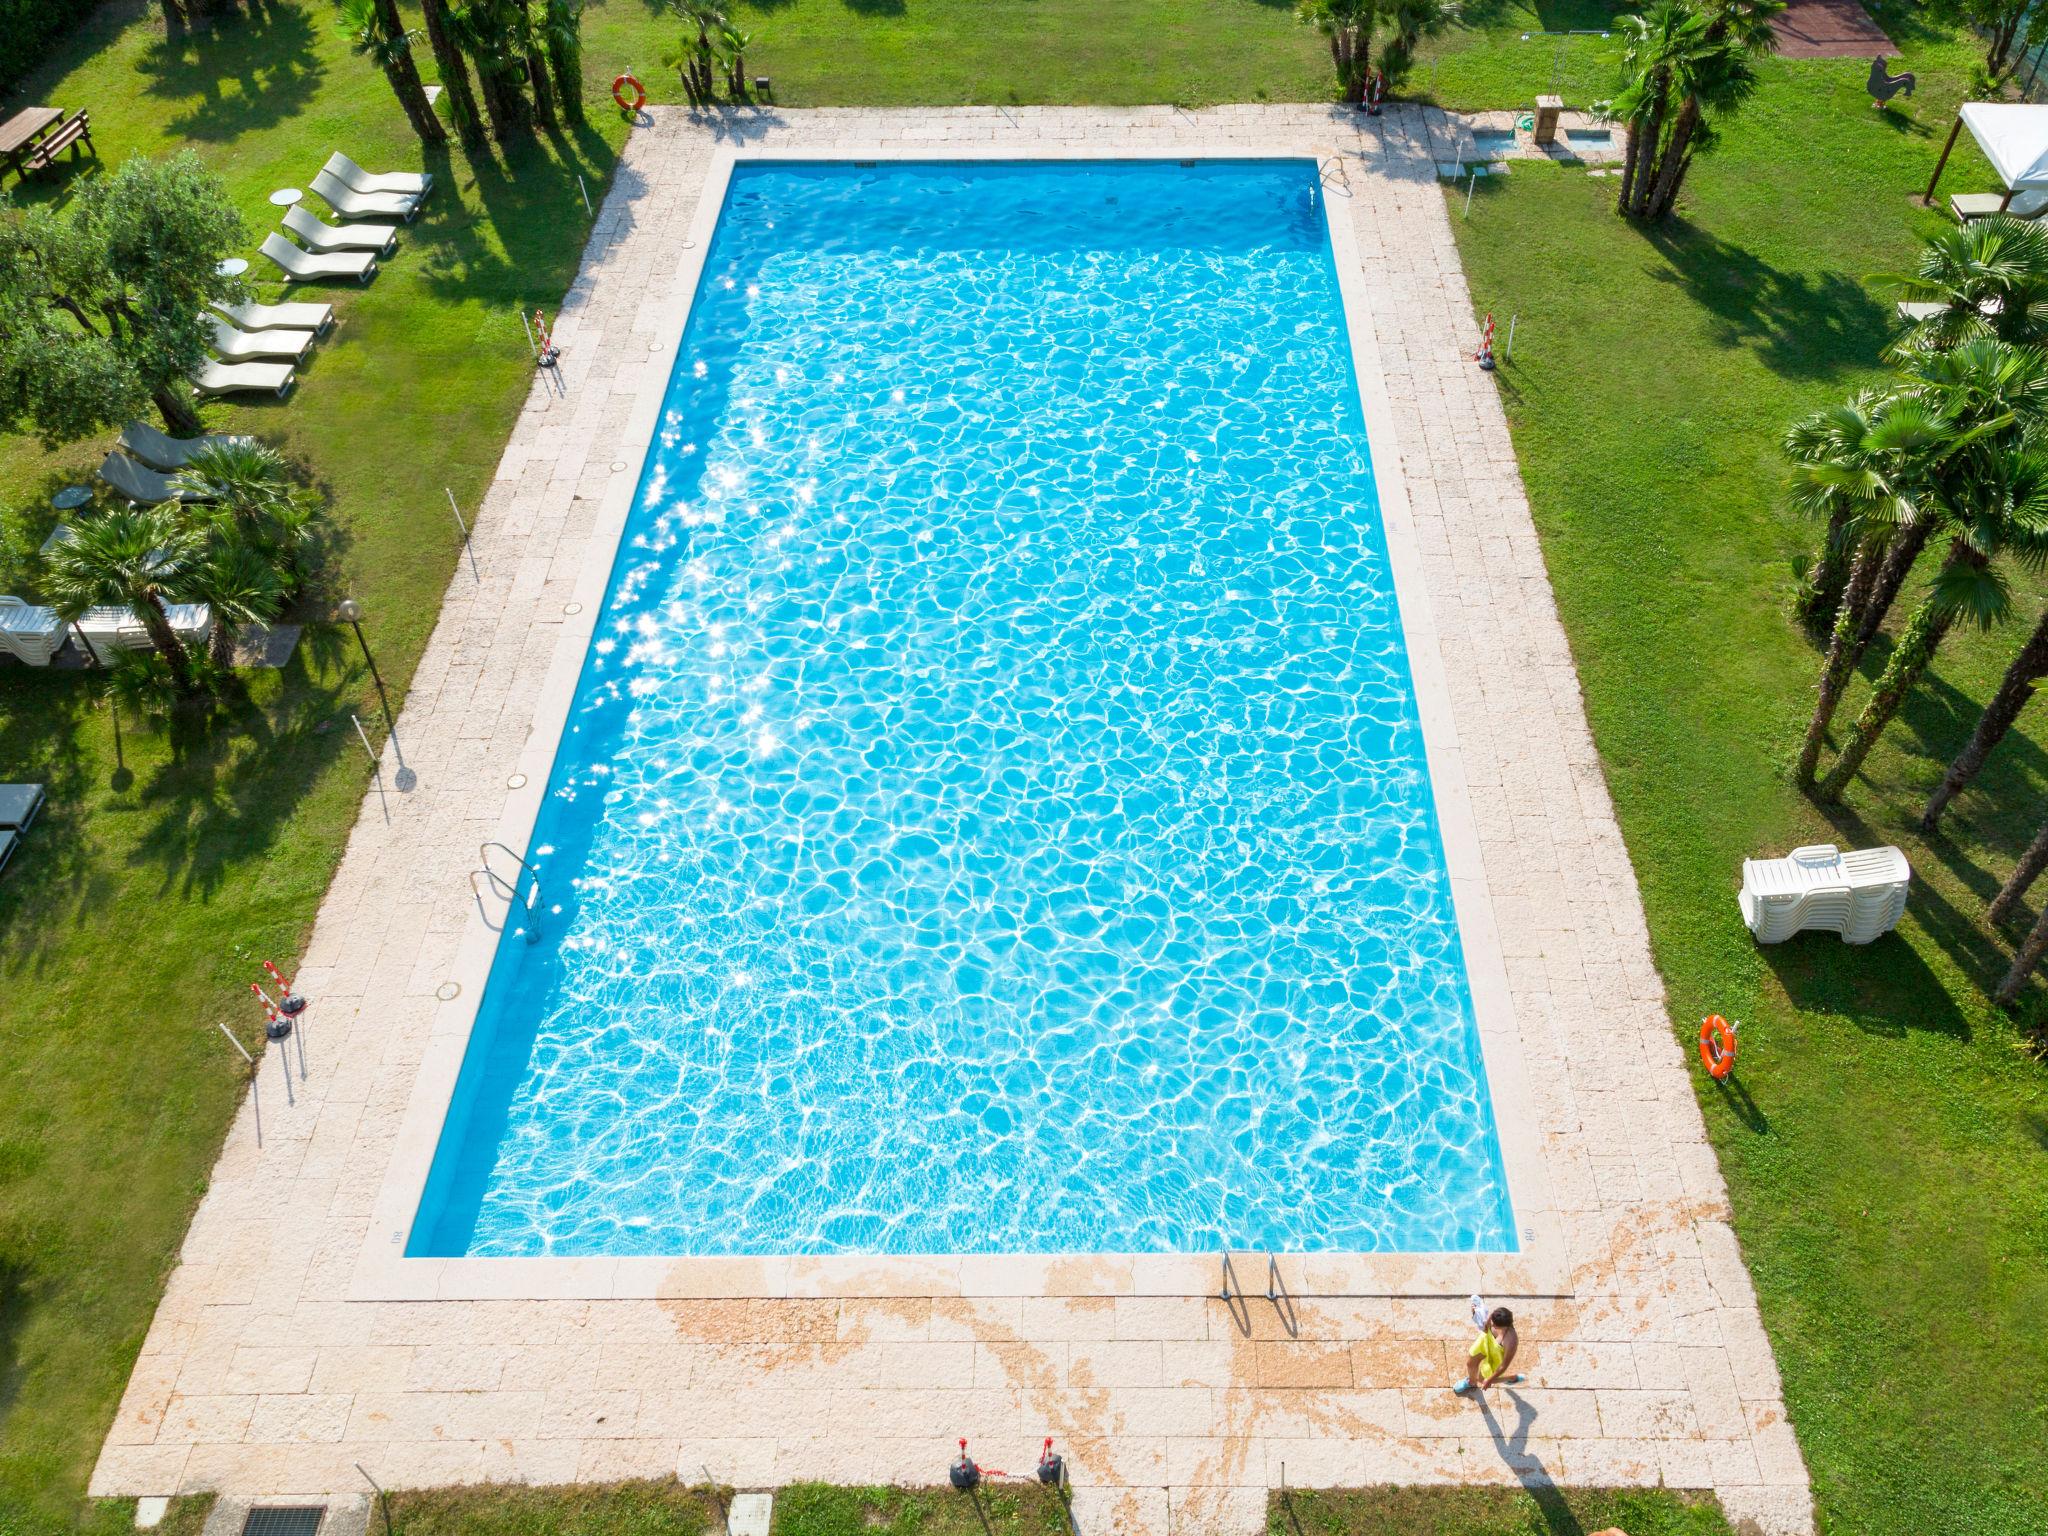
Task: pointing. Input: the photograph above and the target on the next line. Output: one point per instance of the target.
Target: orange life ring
(619, 93)
(1717, 1046)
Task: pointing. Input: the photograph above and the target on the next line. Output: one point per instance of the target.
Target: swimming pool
(992, 816)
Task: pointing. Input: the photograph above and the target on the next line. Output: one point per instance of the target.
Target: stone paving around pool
(1648, 1364)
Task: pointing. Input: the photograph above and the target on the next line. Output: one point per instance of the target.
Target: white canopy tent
(2014, 138)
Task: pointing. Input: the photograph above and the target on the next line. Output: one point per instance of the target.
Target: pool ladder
(509, 889)
(1334, 172)
(1233, 1294)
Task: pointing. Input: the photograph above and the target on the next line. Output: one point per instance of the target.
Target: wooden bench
(67, 135)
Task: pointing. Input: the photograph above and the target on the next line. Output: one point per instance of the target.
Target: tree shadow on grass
(43, 715)
(526, 200)
(269, 53)
(1799, 325)
(233, 781)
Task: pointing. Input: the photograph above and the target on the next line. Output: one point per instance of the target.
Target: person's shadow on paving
(1513, 1445)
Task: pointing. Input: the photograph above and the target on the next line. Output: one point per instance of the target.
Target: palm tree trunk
(2026, 961)
(2023, 875)
(2014, 690)
(1820, 594)
(1898, 565)
(151, 611)
(454, 75)
(404, 76)
(1834, 674)
(1653, 132)
(1672, 171)
(220, 646)
(176, 410)
(503, 103)
(565, 59)
(543, 93)
(1628, 165)
(1926, 630)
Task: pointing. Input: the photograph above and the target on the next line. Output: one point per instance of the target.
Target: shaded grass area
(1535, 1511)
(1887, 1149)
(168, 865)
(953, 52)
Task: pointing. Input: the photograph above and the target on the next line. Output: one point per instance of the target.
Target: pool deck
(290, 1345)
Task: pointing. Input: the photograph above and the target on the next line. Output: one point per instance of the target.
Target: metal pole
(471, 552)
(383, 1498)
(1469, 190)
(586, 195)
(376, 765)
(1942, 164)
(1511, 334)
(531, 345)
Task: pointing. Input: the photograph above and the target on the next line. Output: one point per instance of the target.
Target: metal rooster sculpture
(1883, 87)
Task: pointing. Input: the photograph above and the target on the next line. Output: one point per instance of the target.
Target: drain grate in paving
(283, 1520)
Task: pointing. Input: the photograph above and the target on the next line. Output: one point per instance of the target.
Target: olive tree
(103, 303)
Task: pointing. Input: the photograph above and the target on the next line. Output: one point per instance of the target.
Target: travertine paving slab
(266, 1373)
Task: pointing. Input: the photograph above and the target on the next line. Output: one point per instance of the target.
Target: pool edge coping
(383, 1272)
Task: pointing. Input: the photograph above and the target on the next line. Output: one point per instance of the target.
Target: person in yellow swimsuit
(1487, 1362)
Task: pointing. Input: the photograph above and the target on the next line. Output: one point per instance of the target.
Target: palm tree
(1703, 57)
(489, 34)
(469, 124)
(2023, 875)
(253, 499)
(241, 585)
(1652, 43)
(1836, 475)
(1348, 25)
(374, 31)
(2031, 952)
(2004, 507)
(1865, 467)
(135, 559)
(562, 31)
(692, 60)
(2014, 691)
(1984, 386)
(1414, 20)
(1990, 278)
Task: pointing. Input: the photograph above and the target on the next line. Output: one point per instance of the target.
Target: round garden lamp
(350, 612)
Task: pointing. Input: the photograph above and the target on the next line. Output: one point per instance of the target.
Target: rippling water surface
(992, 815)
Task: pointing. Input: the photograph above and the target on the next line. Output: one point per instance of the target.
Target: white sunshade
(2014, 138)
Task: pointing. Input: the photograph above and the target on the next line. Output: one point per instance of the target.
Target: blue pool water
(992, 816)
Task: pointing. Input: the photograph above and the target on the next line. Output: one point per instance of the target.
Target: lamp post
(350, 612)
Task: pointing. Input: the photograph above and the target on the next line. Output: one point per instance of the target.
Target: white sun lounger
(1985, 205)
(159, 451)
(143, 486)
(325, 238)
(411, 183)
(19, 804)
(1913, 311)
(211, 378)
(303, 266)
(28, 633)
(280, 317)
(350, 203)
(106, 630)
(229, 342)
(1860, 894)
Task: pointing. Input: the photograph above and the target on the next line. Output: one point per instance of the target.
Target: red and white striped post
(1484, 356)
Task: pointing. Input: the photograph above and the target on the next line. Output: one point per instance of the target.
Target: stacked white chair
(29, 633)
(1860, 894)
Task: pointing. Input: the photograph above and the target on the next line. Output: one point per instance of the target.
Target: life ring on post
(1717, 1046)
(619, 87)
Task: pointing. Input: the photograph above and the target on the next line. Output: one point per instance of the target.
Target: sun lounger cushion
(19, 804)
(417, 183)
(279, 317)
(304, 266)
(1984, 205)
(211, 378)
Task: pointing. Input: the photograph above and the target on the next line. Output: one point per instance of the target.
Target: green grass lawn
(1492, 1512)
(1890, 1180)
(1888, 1152)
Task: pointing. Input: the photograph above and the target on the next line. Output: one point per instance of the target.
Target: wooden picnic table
(21, 131)
(20, 134)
